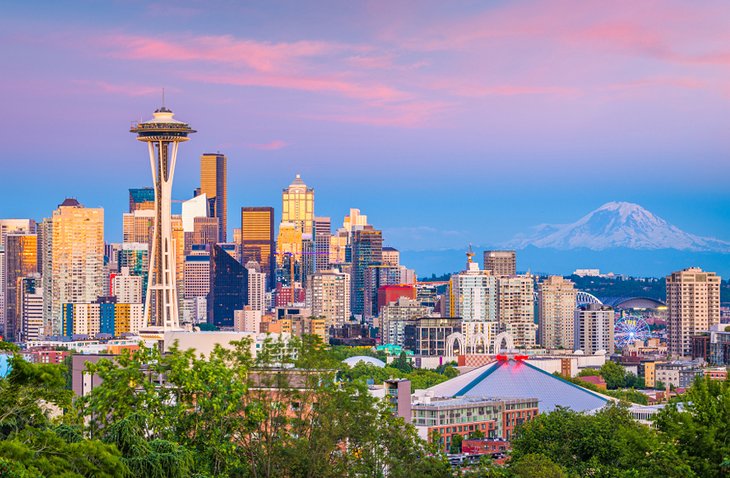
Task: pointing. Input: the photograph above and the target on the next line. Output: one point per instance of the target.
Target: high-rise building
(228, 285)
(45, 256)
(135, 257)
(197, 272)
(593, 329)
(2, 290)
(289, 252)
(21, 260)
(354, 221)
(556, 313)
(256, 286)
(127, 288)
(500, 263)
(473, 297)
(340, 252)
(141, 199)
(322, 235)
(391, 256)
(391, 293)
(377, 276)
(10, 226)
(138, 226)
(16, 226)
(693, 300)
(205, 231)
(198, 226)
(163, 134)
(77, 258)
(297, 205)
(213, 183)
(103, 316)
(328, 297)
(516, 308)
(247, 320)
(395, 315)
(257, 240)
(367, 250)
(30, 306)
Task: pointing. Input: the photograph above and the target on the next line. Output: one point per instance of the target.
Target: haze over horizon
(459, 123)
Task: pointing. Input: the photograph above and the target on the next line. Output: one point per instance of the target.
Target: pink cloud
(258, 55)
(402, 115)
(270, 146)
(372, 92)
(461, 88)
(124, 89)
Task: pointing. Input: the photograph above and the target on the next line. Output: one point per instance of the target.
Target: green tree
(32, 399)
(608, 443)
(614, 375)
(534, 465)
(456, 441)
(402, 363)
(476, 435)
(589, 372)
(699, 423)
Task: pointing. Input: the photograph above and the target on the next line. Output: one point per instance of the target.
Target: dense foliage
(608, 443)
(293, 411)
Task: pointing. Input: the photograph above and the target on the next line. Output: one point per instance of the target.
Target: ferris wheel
(630, 328)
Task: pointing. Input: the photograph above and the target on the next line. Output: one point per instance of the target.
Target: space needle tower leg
(163, 134)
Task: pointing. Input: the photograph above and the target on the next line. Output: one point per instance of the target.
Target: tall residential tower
(213, 183)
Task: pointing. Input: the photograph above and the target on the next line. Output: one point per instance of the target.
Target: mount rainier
(618, 225)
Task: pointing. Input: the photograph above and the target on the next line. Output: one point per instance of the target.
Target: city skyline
(642, 113)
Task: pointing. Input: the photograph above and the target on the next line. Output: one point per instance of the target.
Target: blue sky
(446, 124)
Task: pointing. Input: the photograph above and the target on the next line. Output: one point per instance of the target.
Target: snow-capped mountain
(618, 225)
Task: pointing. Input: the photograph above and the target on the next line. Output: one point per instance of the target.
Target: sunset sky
(445, 122)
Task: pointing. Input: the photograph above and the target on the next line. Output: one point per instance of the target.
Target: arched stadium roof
(633, 302)
(352, 361)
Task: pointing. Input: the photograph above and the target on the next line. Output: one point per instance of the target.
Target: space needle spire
(163, 134)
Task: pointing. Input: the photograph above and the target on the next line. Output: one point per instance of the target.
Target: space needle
(163, 134)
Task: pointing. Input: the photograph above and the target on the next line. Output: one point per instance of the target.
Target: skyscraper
(593, 329)
(693, 300)
(328, 297)
(228, 286)
(367, 250)
(556, 316)
(289, 252)
(391, 256)
(213, 183)
(516, 308)
(30, 307)
(257, 240)
(127, 288)
(377, 276)
(196, 284)
(163, 135)
(297, 205)
(77, 258)
(473, 297)
(500, 263)
(141, 199)
(322, 235)
(21, 260)
(10, 226)
(256, 287)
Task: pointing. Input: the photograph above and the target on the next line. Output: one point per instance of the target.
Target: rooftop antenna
(469, 254)
(163, 96)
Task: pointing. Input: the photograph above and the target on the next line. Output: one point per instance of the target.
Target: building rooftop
(518, 379)
(465, 401)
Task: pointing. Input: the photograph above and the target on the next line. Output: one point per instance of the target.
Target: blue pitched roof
(519, 379)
